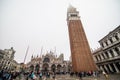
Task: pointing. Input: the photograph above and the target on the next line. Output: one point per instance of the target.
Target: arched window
(116, 37)
(106, 54)
(46, 60)
(117, 50)
(111, 52)
(102, 45)
(106, 43)
(111, 40)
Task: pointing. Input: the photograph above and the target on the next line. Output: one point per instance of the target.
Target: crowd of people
(7, 75)
(84, 74)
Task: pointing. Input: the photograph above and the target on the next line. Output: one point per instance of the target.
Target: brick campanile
(82, 59)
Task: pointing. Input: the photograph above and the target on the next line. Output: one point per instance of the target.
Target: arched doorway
(37, 68)
(53, 68)
(69, 68)
(45, 67)
(64, 69)
(59, 68)
(32, 67)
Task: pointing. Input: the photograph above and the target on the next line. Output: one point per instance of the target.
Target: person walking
(106, 75)
(80, 75)
(40, 76)
(32, 76)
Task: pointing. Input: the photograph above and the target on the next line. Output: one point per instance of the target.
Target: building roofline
(109, 33)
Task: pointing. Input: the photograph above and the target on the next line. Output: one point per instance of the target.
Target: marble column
(118, 49)
(101, 68)
(117, 70)
(105, 55)
(113, 38)
(104, 44)
(110, 68)
(98, 57)
(114, 52)
(106, 69)
(101, 56)
(109, 54)
(118, 35)
(95, 58)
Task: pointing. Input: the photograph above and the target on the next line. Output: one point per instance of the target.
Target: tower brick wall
(82, 59)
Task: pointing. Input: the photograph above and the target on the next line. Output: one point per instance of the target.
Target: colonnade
(111, 53)
(110, 67)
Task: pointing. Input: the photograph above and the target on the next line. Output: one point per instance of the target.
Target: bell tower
(82, 59)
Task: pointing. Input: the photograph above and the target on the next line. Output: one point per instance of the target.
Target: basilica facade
(49, 63)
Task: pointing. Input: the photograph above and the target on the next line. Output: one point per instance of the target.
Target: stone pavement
(67, 77)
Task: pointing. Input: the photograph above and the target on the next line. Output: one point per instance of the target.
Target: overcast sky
(42, 23)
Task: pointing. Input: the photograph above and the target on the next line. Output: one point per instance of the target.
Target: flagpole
(26, 54)
(41, 51)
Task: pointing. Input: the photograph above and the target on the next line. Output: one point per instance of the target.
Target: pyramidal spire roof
(71, 8)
